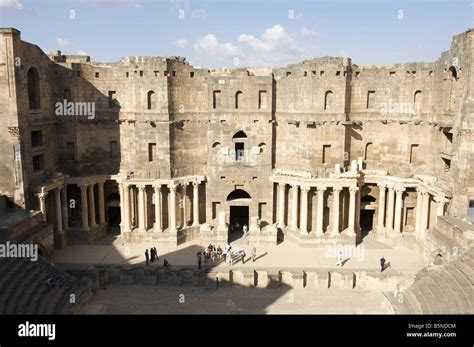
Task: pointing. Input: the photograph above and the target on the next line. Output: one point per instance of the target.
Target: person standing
(339, 258)
(152, 255)
(156, 254)
(245, 229)
(254, 253)
(147, 257)
(242, 254)
(199, 259)
(382, 264)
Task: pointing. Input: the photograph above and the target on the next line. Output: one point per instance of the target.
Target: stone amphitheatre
(100, 161)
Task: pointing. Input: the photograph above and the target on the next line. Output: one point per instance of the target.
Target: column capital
(157, 187)
(83, 185)
(399, 189)
(172, 187)
(305, 188)
(196, 183)
(440, 199)
(294, 185)
(321, 189)
(281, 185)
(141, 187)
(42, 196)
(421, 190)
(382, 185)
(336, 188)
(353, 190)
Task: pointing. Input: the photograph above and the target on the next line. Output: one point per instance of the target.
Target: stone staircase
(23, 289)
(444, 289)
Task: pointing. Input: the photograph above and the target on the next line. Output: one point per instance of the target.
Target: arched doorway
(367, 212)
(113, 212)
(238, 201)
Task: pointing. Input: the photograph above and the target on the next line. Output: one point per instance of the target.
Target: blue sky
(242, 32)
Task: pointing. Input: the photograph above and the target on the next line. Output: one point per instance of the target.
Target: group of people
(152, 256)
(213, 253)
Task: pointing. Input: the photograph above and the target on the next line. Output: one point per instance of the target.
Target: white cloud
(13, 4)
(181, 43)
(82, 53)
(307, 32)
(199, 14)
(274, 47)
(211, 48)
(62, 43)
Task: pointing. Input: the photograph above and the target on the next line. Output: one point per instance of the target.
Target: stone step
(412, 303)
(462, 295)
(15, 264)
(425, 307)
(466, 270)
(36, 285)
(455, 303)
(13, 284)
(430, 297)
(443, 300)
(14, 299)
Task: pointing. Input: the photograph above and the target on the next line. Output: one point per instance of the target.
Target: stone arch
(150, 97)
(34, 90)
(238, 98)
(328, 98)
(238, 194)
(239, 135)
(368, 151)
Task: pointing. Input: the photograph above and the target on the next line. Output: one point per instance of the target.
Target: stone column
(304, 210)
(425, 211)
(42, 201)
(91, 206)
(320, 211)
(158, 224)
(195, 204)
(398, 209)
(184, 185)
(64, 207)
(141, 208)
(440, 202)
(172, 209)
(85, 215)
(381, 208)
(294, 208)
(352, 211)
(126, 207)
(281, 205)
(101, 202)
(419, 210)
(59, 218)
(390, 208)
(335, 210)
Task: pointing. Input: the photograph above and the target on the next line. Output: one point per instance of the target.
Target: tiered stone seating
(23, 288)
(447, 289)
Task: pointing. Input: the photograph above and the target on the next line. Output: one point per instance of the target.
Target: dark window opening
(36, 138)
(151, 151)
(239, 151)
(38, 162)
(34, 93)
(370, 98)
(215, 98)
(326, 154)
(111, 98)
